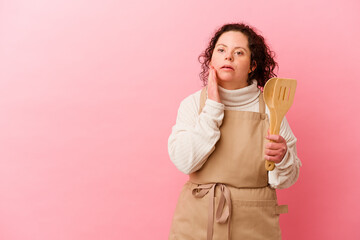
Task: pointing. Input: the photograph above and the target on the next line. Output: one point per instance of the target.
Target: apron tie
(223, 211)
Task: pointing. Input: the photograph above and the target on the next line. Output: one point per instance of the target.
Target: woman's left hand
(276, 149)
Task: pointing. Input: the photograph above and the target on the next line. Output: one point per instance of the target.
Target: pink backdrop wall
(90, 90)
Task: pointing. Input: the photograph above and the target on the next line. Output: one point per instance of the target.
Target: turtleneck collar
(239, 97)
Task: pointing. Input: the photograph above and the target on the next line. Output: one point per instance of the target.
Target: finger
(273, 159)
(276, 151)
(211, 84)
(276, 146)
(213, 93)
(213, 77)
(271, 153)
(214, 74)
(275, 138)
(210, 78)
(273, 145)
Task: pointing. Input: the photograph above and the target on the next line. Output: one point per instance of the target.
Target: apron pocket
(256, 220)
(190, 217)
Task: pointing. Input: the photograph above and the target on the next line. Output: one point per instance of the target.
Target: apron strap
(261, 103)
(203, 97)
(280, 209)
(223, 212)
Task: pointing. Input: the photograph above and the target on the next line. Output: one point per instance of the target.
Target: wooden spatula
(284, 93)
(279, 96)
(268, 98)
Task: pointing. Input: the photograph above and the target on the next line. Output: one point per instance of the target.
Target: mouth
(227, 67)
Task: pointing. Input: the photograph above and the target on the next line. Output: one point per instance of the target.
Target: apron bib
(229, 196)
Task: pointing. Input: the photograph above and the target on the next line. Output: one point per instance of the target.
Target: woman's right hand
(212, 91)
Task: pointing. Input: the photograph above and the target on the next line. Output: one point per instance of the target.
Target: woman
(221, 140)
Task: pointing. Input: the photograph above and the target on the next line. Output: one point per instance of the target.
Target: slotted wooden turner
(278, 95)
(268, 98)
(284, 93)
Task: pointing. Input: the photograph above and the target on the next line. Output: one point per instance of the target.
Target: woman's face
(231, 59)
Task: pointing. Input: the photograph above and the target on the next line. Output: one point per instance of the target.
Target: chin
(226, 79)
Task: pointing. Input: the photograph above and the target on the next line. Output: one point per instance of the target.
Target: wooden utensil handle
(269, 165)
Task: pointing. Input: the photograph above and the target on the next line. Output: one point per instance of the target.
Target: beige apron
(229, 197)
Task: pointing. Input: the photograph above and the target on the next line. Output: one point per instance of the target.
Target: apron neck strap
(261, 103)
(203, 98)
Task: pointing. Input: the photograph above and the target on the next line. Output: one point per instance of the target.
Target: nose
(229, 56)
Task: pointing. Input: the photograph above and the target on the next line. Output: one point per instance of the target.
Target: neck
(239, 97)
(233, 85)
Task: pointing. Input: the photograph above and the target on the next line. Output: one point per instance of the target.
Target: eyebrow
(227, 46)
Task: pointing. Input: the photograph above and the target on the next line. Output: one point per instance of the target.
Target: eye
(239, 53)
(220, 50)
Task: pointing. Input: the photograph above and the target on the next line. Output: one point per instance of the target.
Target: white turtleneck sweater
(194, 135)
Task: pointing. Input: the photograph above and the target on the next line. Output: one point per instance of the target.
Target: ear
(253, 67)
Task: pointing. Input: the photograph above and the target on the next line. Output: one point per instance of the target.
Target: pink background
(90, 90)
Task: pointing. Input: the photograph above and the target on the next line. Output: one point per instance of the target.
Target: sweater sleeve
(286, 172)
(194, 135)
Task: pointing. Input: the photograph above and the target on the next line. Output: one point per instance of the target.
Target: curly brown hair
(261, 55)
